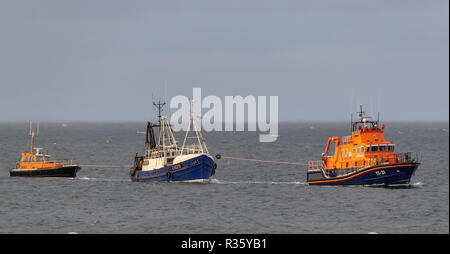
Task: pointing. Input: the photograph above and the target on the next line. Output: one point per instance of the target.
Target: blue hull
(391, 174)
(198, 169)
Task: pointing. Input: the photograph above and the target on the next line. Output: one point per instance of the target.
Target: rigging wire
(266, 161)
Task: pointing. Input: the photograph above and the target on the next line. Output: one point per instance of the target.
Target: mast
(33, 134)
(159, 106)
(378, 119)
(351, 122)
(361, 113)
(32, 142)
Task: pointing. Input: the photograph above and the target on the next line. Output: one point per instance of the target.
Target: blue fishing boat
(165, 161)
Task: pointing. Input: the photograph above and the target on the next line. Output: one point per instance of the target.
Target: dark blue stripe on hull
(392, 174)
(195, 169)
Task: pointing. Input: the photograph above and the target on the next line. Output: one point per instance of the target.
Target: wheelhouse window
(368, 149)
(362, 149)
(374, 149)
(382, 148)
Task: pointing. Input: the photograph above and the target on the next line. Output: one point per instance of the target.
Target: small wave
(418, 184)
(216, 181)
(86, 178)
(372, 233)
(72, 233)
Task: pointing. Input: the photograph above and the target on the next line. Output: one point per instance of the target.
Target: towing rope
(104, 166)
(265, 161)
(221, 157)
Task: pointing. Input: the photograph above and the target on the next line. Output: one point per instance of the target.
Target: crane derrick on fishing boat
(363, 158)
(165, 161)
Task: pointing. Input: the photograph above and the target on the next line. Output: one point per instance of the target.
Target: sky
(104, 60)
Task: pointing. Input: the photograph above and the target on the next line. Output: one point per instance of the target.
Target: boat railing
(393, 158)
(160, 153)
(408, 157)
(63, 161)
(318, 166)
(192, 150)
(172, 152)
(315, 165)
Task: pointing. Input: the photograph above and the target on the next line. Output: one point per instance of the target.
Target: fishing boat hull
(387, 174)
(197, 169)
(64, 171)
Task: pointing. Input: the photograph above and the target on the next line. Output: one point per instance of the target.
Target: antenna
(160, 106)
(165, 90)
(32, 134)
(361, 112)
(351, 121)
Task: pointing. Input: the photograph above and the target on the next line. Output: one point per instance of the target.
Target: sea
(243, 196)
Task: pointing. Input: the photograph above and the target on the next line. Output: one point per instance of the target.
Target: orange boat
(363, 158)
(36, 164)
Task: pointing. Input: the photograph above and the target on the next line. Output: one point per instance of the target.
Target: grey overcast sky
(101, 60)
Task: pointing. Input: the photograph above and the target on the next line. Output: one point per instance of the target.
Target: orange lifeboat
(37, 164)
(362, 158)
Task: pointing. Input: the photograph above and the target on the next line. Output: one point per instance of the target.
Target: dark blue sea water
(244, 196)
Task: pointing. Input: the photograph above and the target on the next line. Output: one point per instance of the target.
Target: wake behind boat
(164, 161)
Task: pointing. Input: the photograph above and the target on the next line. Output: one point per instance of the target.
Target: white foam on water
(417, 184)
(86, 178)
